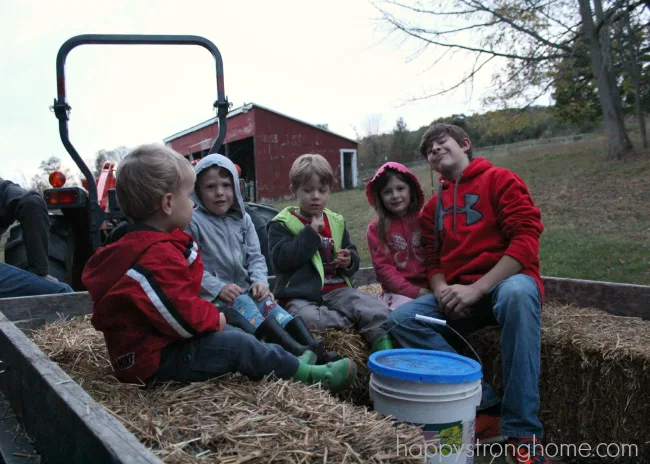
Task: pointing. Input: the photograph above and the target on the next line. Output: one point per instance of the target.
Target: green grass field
(596, 212)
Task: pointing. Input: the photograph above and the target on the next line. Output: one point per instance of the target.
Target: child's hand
(230, 292)
(423, 291)
(318, 223)
(261, 291)
(222, 322)
(343, 258)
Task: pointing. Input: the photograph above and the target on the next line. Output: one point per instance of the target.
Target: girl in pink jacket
(394, 236)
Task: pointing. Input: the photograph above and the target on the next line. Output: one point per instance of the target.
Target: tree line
(492, 128)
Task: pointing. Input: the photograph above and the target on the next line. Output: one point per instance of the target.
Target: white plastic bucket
(436, 389)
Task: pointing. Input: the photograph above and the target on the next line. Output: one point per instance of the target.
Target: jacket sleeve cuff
(212, 285)
(433, 271)
(411, 291)
(263, 282)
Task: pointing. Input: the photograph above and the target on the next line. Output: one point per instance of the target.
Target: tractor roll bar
(62, 109)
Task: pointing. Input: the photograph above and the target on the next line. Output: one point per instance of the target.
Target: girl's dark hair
(383, 216)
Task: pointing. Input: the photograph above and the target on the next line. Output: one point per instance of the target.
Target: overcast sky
(322, 62)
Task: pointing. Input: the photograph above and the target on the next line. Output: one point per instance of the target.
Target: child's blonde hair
(145, 176)
(306, 166)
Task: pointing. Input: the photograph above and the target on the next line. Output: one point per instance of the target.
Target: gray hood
(228, 243)
(222, 162)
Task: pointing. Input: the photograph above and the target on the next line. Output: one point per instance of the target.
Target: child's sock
(334, 376)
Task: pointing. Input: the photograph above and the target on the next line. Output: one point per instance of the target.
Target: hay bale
(230, 419)
(595, 378)
(349, 344)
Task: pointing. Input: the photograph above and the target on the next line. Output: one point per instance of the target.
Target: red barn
(264, 143)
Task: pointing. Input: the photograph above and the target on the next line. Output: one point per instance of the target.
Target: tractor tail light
(58, 198)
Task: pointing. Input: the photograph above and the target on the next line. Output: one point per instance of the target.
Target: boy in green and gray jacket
(314, 259)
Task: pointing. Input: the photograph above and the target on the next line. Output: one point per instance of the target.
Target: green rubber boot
(334, 376)
(381, 343)
(308, 357)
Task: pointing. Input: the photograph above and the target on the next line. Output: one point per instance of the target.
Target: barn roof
(243, 109)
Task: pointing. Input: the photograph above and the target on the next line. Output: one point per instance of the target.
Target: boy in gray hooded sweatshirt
(235, 278)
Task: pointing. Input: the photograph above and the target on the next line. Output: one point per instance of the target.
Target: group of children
(181, 292)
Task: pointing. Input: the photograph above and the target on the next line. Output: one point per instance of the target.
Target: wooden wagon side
(62, 419)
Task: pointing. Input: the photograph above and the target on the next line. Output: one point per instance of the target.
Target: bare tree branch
(540, 94)
(615, 13)
(469, 77)
(418, 10)
(409, 32)
(516, 26)
(452, 31)
(557, 21)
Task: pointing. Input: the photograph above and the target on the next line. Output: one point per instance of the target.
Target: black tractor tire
(262, 213)
(61, 251)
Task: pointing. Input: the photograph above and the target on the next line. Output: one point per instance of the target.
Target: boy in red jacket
(481, 239)
(145, 285)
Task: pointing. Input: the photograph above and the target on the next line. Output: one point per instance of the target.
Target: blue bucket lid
(425, 366)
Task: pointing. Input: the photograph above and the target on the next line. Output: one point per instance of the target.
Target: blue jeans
(16, 282)
(515, 305)
(214, 354)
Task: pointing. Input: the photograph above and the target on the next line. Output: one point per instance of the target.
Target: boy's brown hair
(306, 166)
(434, 132)
(145, 176)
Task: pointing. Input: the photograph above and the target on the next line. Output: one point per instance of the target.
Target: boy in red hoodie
(481, 239)
(145, 288)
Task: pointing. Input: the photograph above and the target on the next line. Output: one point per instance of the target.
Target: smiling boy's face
(447, 156)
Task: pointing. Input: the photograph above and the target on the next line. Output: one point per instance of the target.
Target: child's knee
(519, 289)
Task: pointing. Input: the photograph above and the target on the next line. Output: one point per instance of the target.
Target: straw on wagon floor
(230, 419)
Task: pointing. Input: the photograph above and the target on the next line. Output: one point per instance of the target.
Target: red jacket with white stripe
(144, 286)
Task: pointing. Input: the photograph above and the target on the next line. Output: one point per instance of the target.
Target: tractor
(81, 218)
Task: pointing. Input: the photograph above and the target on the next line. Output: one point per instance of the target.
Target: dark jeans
(214, 354)
(15, 282)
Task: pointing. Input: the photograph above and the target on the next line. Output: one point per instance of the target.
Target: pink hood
(397, 167)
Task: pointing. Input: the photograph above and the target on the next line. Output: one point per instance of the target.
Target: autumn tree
(525, 40)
